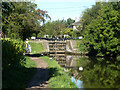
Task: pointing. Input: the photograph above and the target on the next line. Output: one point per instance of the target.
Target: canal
(87, 72)
(95, 72)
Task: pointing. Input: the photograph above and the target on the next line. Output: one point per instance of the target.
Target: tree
(89, 15)
(70, 22)
(22, 19)
(102, 34)
(54, 28)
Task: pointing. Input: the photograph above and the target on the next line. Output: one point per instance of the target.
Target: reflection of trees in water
(83, 61)
(73, 63)
(102, 73)
(97, 72)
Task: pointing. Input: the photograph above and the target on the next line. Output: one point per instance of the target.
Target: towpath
(40, 79)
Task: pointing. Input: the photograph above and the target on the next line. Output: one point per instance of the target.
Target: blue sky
(64, 9)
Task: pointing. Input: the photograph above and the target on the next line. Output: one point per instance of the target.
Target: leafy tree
(70, 22)
(89, 15)
(59, 27)
(102, 34)
(54, 28)
(21, 19)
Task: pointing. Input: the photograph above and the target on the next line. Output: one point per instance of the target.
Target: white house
(76, 25)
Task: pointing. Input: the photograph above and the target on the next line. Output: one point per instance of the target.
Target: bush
(19, 77)
(17, 69)
(12, 52)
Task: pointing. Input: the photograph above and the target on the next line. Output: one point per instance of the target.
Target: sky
(64, 9)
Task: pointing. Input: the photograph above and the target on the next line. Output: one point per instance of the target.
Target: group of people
(27, 47)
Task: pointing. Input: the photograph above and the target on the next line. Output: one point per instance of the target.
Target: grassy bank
(19, 76)
(80, 46)
(58, 77)
(36, 48)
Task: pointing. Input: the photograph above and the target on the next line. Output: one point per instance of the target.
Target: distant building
(76, 25)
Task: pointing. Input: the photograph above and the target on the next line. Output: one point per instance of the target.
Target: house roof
(77, 23)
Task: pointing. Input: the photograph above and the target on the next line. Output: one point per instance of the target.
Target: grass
(19, 77)
(58, 77)
(80, 46)
(36, 48)
(30, 63)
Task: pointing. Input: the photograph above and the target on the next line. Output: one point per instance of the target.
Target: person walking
(27, 47)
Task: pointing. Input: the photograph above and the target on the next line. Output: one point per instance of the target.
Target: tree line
(23, 20)
(59, 27)
(100, 25)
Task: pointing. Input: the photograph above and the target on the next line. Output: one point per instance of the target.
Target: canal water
(92, 72)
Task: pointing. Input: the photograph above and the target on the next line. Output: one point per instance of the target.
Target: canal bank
(58, 77)
(56, 72)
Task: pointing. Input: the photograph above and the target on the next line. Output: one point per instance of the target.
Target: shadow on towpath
(40, 79)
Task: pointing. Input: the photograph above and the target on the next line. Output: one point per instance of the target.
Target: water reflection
(70, 64)
(69, 61)
(97, 72)
(101, 73)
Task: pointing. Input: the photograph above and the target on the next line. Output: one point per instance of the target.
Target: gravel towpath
(40, 79)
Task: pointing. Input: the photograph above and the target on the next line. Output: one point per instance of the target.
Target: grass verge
(36, 48)
(58, 77)
(20, 76)
(81, 46)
